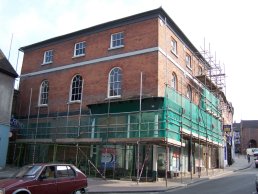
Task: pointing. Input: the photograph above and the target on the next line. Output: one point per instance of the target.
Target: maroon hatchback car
(45, 179)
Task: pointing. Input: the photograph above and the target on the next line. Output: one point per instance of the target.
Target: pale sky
(228, 26)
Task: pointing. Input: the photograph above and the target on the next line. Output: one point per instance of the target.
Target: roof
(249, 123)
(155, 13)
(6, 67)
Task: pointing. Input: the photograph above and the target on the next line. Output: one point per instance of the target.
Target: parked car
(256, 159)
(250, 151)
(45, 178)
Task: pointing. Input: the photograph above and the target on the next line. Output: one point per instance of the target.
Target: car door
(66, 179)
(46, 182)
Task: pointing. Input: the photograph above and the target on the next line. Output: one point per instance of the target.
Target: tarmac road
(241, 182)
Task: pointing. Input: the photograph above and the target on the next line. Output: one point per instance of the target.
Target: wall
(248, 134)
(138, 36)
(6, 96)
(169, 65)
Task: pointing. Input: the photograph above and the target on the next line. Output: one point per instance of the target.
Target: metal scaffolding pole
(139, 133)
(181, 135)
(108, 118)
(167, 148)
(79, 125)
(35, 137)
(28, 121)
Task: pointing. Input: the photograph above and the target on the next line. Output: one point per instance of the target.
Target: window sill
(42, 105)
(74, 102)
(113, 97)
(76, 56)
(117, 47)
(174, 54)
(46, 63)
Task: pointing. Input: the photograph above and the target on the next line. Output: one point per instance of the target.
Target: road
(241, 182)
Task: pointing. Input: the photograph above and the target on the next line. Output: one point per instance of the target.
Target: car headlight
(1, 191)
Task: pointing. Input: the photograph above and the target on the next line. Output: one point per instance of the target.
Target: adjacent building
(7, 80)
(237, 137)
(228, 129)
(246, 135)
(126, 97)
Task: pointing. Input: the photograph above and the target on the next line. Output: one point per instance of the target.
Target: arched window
(199, 70)
(114, 82)
(189, 93)
(76, 88)
(43, 95)
(174, 81)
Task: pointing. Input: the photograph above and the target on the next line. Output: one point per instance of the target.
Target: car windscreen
(28, 171)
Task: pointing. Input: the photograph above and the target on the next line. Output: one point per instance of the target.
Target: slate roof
(249, 123)
(6, 67)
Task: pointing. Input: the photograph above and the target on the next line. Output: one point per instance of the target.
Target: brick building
(126, 97)
(248, 134)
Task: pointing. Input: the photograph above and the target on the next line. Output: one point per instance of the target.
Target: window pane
(70, 171)
(80, 48)
(117, 39)
(48, 56)
(76, 88)
(44, 92)
(174, 46)
(189, 93)
(174, 81)
(115, 77)
(188, 60)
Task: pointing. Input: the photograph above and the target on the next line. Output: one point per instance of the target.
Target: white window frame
(199, 70)
(76, 88)
(48, 57)
(118, 41)
(188, 61)
(189, 93)
(43, 93)
(174, 81)
(81, 49)
(174, 46)
(115, 82)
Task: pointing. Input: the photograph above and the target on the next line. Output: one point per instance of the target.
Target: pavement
(98, 185)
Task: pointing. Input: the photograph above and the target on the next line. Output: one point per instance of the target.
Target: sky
(227, 28)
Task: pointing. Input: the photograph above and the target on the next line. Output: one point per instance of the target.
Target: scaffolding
(127, 130)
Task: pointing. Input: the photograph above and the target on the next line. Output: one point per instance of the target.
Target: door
(46, 183)
(66, 179)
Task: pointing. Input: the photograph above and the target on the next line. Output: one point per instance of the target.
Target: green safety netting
(202, 121)
(158, 118)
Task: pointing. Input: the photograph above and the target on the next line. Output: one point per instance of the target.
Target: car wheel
(23, 192)
(79, 192)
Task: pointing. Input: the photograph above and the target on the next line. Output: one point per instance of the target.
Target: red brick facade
(156, 68)
(249, 137)
(95, 75)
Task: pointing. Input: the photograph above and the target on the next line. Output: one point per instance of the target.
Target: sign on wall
(108, 157)
(227, 128)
